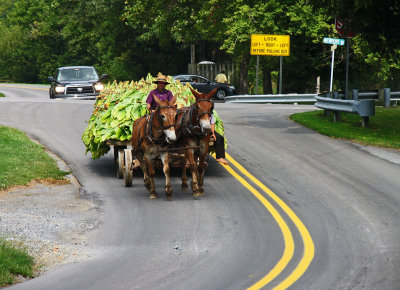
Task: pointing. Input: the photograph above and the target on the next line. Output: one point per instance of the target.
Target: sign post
(333, 47)
(335, 42)
(265, 44)
(343, 28)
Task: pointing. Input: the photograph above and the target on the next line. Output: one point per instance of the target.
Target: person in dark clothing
(219, 143)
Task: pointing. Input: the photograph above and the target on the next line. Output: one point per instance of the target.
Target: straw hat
(161, 78)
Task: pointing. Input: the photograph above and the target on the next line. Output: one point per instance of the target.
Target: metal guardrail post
(336, 114)
(365, 122)
(386, 97)
(354, 94)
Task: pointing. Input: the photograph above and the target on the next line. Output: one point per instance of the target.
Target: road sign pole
(280, 74)
(257, 67)
(347, 68)
(332, 63)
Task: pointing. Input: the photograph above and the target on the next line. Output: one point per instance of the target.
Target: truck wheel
(220, 95)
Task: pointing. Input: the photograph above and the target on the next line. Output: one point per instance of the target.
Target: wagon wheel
(115, 148)
(128, 171)
(120, 163)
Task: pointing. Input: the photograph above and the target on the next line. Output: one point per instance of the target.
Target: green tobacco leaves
(119, 105)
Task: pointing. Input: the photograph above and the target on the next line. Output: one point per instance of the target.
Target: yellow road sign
(266, 44)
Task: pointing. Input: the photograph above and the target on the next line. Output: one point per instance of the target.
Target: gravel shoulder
(50, 219)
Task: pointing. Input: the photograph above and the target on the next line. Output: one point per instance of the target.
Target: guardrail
(385, 94)
(264, 99)
(364, 108)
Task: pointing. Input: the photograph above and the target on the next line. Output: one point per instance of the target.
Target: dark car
(204, 85)
(81, 82)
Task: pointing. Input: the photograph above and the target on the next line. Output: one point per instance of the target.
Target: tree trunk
(192, 53)
(244, 67)
(267, 82)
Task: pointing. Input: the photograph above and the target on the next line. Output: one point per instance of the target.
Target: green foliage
(14, 261)
(128, 39)
(120, 105)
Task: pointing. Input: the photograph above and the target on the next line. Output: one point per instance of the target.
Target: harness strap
(187, 126)
(149, 136)
(139, 139)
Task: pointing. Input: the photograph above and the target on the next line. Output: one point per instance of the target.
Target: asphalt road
(318, 213)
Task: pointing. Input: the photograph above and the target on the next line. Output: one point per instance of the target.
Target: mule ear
(211, 93)
(172, 102)
(158, 101)
(195, 93)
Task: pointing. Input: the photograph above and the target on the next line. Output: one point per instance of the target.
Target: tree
(299, 19)
(376, 52)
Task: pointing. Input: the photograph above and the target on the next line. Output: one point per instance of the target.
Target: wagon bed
(125, 165)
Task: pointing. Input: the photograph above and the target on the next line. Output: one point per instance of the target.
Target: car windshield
(199, 80)
(77, 74)
(183, 78)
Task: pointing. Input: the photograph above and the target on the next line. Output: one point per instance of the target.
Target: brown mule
(151, 137)
(193, 129)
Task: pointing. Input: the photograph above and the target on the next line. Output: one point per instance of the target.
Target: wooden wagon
(124, 159)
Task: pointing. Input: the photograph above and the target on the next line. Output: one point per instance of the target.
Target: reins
(148, 130)
(149, 126)
(188, 127)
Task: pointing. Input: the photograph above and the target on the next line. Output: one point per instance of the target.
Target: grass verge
(383, 131)
(23, 161)
(2, 95)
(14, 261)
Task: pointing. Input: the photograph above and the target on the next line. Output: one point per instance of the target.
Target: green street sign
(336, 41)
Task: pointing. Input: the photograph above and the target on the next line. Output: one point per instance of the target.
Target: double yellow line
(308, 245)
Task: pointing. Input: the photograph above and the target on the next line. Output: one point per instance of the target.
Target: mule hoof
(153, 195)
(168, 192)
(197, 194)
(184, 187)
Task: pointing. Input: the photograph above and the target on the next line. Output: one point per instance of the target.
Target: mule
(194, 130)
(151, 137)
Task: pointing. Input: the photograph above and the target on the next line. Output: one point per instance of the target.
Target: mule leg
(143, 166)
(168, 187)
(201, 166)
(193, 170)
(184, 185)
(151, 171)
(200, 170)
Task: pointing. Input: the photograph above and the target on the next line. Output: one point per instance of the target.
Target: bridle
(158, 111)
(149, 127)
(206, 112)
(187, 125)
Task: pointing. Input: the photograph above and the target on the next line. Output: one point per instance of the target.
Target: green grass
(23, 161)
(383, 131)
(2, 95)
(14, 261)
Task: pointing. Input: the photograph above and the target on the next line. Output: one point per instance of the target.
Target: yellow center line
(24, 87)
(287, 235)
(308, 253)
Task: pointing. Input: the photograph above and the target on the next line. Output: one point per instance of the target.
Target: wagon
(124, 159)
